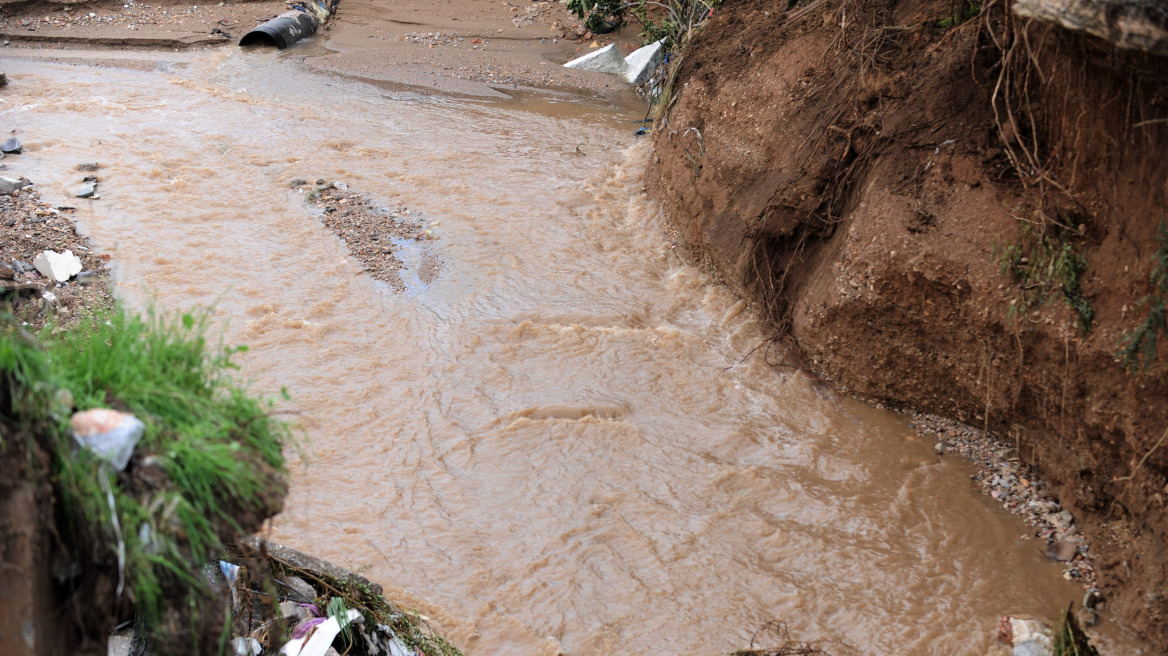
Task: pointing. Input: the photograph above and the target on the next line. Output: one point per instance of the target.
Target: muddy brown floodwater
(553, 446)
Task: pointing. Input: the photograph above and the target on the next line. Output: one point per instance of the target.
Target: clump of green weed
(960, 12)
(210, 455)
(678, 17)
(1140, 346)
(1046, 266)
(1069, 638)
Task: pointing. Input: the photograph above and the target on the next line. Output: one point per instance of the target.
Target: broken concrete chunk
(58, 267)
(640, 64)
(13, 185)
(605, 60)
(12, 146)
(109, 434)
(246, 647)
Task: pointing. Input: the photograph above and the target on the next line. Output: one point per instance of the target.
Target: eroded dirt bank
(848, 166)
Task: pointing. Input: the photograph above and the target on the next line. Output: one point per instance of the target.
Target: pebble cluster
(28, 227)
(432, 39)
(131, 15)
(372, 233)
(1019, 489)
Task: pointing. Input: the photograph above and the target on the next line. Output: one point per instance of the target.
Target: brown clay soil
(847, 166)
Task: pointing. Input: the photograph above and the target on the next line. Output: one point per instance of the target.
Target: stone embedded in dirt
(297, 182)
(12, 146)
(58, 267)
(7, 272)
(1063, 550)
(88, 278)
(88, 190)
(87, 166)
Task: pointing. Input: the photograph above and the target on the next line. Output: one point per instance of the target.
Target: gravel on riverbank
(28, 227)
(1018, 488)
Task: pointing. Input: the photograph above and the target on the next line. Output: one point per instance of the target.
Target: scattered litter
(635, 68)
(57, 267)
(109, 434)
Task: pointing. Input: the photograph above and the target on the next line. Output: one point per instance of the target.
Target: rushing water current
(555, 445)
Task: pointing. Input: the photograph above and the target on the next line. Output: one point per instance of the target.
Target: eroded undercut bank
(949, 207)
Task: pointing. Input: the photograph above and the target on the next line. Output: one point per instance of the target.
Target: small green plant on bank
(1045, 267)
(1140, 346)
(675, 19)
(1069, 639)
(210, 451)
(960, 12)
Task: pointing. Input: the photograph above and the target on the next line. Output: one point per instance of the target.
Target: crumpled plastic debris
(318, 641)
(108, 434)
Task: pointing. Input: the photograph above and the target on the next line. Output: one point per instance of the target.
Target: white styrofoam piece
(58, 267)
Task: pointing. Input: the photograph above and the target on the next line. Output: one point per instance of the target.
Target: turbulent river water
(555, 445)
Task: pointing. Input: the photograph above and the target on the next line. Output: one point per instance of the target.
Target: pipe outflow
(290, 26)
(283, 30)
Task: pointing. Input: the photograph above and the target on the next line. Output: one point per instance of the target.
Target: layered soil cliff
(950, 208)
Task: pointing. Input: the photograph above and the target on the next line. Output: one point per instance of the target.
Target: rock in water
(12, 185)
(13, 146)
(88, 189)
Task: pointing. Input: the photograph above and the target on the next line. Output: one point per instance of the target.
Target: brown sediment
(372, 234)
(858, 173)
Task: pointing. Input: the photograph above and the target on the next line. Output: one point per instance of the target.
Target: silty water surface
(556, 445)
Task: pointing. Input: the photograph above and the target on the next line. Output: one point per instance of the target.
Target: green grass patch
(1140, 349)
(211, 453)
(1045, 267)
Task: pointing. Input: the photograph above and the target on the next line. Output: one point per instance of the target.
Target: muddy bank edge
(861, 169)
